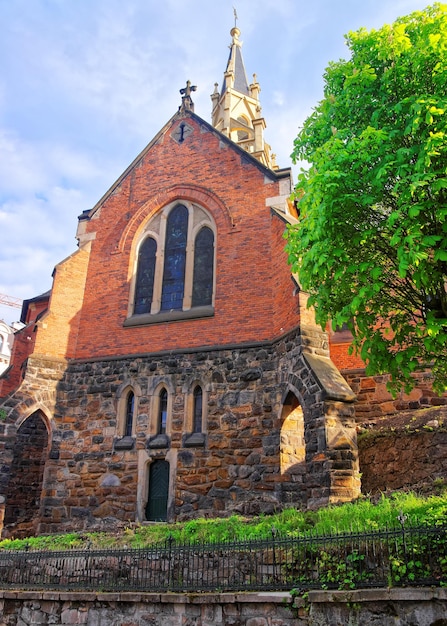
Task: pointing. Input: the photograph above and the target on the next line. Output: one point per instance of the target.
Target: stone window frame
(162, 414)
(155, 438)
(129, 418)
(191, 437)
(241, 126)
(198, 217)
(124, 441)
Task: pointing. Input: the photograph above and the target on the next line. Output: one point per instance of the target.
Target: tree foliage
(371, 243)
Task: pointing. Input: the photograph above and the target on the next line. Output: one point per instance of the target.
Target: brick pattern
(374, 401)
(251, 269)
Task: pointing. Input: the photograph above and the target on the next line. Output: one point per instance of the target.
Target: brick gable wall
(234, 191)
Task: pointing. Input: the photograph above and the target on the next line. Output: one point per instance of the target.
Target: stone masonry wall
(93, 477)
(384, 607)
(393, 460)
(234, 469)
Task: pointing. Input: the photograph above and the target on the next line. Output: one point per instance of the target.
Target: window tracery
(175, 266)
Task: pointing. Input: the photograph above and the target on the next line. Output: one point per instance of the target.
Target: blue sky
(86, 84)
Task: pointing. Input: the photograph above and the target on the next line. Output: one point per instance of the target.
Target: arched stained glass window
(144, 287)
(202, 291)
(130, 403)
(175, 266)
(162, 412)
(197, 410)
(175, 259)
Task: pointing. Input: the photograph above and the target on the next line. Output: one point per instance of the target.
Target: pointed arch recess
(292, 442)
(194, 193)
(30, 453)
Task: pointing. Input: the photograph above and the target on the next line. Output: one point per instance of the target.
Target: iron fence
(392, 557)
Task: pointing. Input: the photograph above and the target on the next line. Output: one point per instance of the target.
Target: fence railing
(391, 557)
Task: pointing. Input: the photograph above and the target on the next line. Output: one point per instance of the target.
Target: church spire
(236, 107)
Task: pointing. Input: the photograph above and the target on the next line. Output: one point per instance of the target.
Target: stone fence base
(381, 607)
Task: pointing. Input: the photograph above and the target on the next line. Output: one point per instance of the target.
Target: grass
(362, 515)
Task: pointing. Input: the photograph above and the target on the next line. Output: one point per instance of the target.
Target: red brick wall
(286, 305)
(23, 346)
(342, 359)
(253, 281)
(58, 329)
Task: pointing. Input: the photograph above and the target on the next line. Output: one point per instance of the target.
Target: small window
(197, 410)
(242, 133)
(144, 287)
(175, 260)
(162, 412)
(202, 293)
(130, 405)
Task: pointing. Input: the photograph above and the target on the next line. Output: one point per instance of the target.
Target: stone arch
(292, 447)
(23, 491)
(331, 454)
(292, 443)
(221, 213)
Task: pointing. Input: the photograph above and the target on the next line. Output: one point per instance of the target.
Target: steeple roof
(236, 65)
(237, 110)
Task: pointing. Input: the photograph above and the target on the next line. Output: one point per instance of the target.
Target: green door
(157, 501)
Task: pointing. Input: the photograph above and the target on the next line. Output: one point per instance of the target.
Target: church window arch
(162, 417)
(196, 415)
(242, 133)
(202, 291)
(173, 286)
(174, 275)
(130, 407)
(197, 409)
(144, 286)
(127, 406)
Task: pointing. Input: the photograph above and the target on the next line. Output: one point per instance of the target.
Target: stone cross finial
(187, 103)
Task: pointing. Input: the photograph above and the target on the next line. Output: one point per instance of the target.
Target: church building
(174, 371)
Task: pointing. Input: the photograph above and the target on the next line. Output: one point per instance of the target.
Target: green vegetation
(370, 245)
(365, 514)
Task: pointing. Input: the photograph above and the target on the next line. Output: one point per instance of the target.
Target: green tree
(370, 245)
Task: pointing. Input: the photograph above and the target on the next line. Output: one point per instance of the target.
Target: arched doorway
(157, 499)
(26, 474)
(292, 450)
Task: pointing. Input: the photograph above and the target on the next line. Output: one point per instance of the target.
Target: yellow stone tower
(236, 108)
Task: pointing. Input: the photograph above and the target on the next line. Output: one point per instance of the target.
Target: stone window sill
(195, 440)
(124, 443)
(159, 441)
(169, 316)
